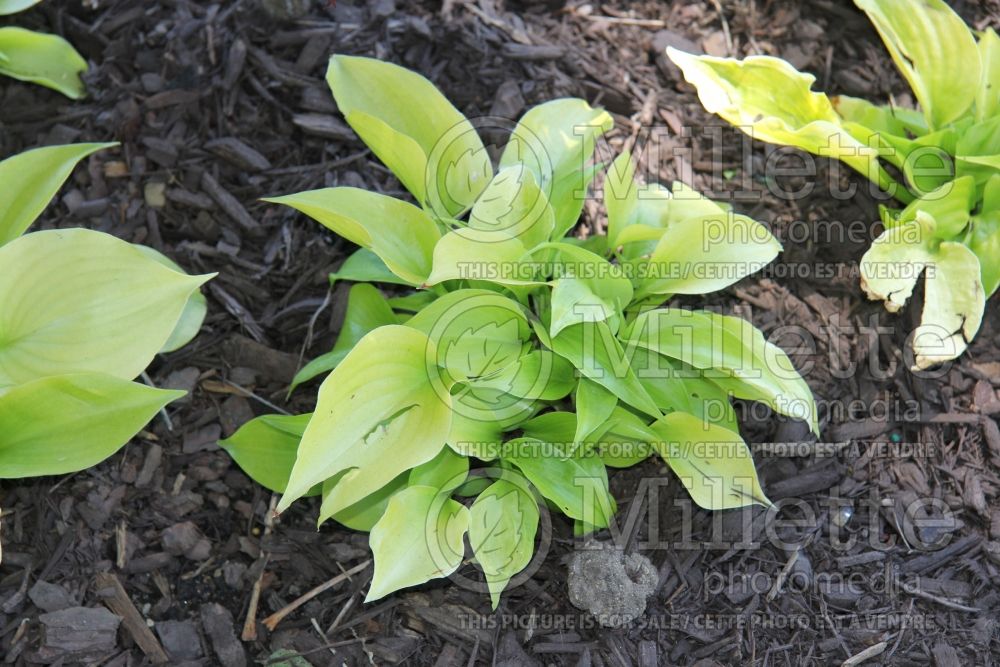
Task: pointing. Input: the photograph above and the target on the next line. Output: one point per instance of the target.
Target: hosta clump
(48, 60)
(512, 346)
(948, 155)
(82, 314)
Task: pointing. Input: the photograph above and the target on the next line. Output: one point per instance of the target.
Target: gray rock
(611, 585)
(184, 539)
(50, 597)
(219, 626)
(77, 634)
(180, 639)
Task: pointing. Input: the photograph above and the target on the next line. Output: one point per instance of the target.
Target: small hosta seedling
(947, 156)
(516, 362)
(82, 314)
(48, 60)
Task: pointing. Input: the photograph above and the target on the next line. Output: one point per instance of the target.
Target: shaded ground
(217, 104)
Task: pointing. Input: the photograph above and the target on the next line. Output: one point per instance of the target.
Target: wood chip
(113, 594)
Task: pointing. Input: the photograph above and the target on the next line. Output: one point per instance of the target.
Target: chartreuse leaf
(934, 50)
(64, 423)
(707, 253)
(100, 305)
(15, 6)
(594, 405)
(747, 363)
(476, 333)
(954, 302)
(480, 254)
(596, 354)
(379, 413)
(770, 100)
(713, 463)
(414, 130)
(366, 310)
(977, 151)
(862, 118)
(950, 206)
(624, 440)
(364, 266)
(988, 92)
(365, 513)
(503, 522)
(445, 472)
(576, 483)
(419, 538)
(265, 449)
(48, 60)
(984, 240)
(514, 204)
(587, 287)
(194, 312)
(30, 181)
(551, 427)
(400, 234)
(555, 141)
(954, 298)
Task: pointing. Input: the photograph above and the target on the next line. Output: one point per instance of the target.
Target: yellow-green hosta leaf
(74, 301)
(713, 463)
(503, 522)
(954, 298)
(364, 266)
(625, 440)
(594, 406)
(555, 141)
(65, 423)
(445, 472)
(707, 253)
(30, 181)
(15, 6)
(514, 204)
(480, 254)
(934, 50)
(48, 60)
(264, 448)
(366, 310)
(402, 235)
(950, 206)
(988, 96)
(984, 240)
(977, 151)
(747, 364)
(476, 333)
(770, 100)
(575, 482)
(379, 413)
(365, 513)
(194, 312)
(954, 302)
(419, 538)
(862, 119)
(597, 354)
(409, 125)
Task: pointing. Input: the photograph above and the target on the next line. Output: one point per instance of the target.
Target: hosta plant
(942, 162)
(511, 346)
(48, 60)
(82, 314)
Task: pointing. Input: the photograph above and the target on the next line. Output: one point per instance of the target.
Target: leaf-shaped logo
(482, 351)
(501, 531)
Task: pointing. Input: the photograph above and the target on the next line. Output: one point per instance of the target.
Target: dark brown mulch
(165, 548)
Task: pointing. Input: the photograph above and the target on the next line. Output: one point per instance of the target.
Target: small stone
(50, 597)
(184, 539)
(610, 585)
(184, 379)
(219, 626)
(180, 639)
